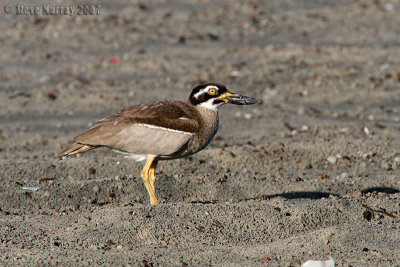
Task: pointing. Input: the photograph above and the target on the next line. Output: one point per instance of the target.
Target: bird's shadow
(296, 195)
(387, 190)
(319, 195)
(306, 195)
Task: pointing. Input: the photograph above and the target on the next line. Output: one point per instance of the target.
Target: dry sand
(310, 173)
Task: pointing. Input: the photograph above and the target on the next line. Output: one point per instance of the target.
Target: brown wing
(157, 128)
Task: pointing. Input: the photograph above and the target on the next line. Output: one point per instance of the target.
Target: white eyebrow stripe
(183, 118)
(199, 93)
(163, 128)
(205, 90)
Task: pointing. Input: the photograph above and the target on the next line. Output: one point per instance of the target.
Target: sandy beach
(311, 172)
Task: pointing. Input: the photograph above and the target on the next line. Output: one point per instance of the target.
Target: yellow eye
(212, 91)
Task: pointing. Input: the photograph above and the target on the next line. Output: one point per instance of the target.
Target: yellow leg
(152, 174)
(147, 172)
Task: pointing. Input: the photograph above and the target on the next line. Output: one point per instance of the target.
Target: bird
(160, 130)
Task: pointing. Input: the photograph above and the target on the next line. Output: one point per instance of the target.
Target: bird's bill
(237, 99)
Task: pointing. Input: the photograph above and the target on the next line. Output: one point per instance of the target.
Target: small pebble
(235, 73)
(385, 165)
(384, 67)
(52, 95)
(323, 176)
(304, 128)
(366, 131)
(248, 116)
(96, 189)
(92, 170)
(332, 159)
(357, 193)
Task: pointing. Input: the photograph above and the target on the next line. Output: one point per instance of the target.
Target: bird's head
(213, 95)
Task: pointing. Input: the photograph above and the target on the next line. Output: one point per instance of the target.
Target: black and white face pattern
(206, 95)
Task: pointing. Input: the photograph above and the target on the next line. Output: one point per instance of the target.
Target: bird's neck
(208, 117)
(208, 127)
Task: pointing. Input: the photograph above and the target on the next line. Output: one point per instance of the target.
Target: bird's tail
(73, 149)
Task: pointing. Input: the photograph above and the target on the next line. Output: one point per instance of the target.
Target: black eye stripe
(216, 102)
(204, 97)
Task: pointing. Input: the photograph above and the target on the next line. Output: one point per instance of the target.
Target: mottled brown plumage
(129, 131)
